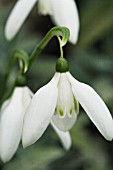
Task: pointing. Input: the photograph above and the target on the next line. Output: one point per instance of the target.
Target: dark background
(91, 61)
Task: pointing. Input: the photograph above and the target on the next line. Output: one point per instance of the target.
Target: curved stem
(23, 62)
(61, 48)
(56, 31)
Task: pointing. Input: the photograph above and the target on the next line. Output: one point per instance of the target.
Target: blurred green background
(91, 61)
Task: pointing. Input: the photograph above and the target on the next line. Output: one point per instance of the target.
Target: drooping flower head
(11, 121)
(62, 12)
(58, 101)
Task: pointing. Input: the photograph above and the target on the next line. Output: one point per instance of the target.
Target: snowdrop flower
(64, 136)
(62, 12)
(11, 121)
(58, 102)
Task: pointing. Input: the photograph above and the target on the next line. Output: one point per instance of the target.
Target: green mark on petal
(71, 111)
(76, 106)
(61, 112)
(55, 112)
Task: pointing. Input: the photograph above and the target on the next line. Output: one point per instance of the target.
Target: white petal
(65, 13)
(11, 122)
(94, 107)
(44, 7)
(17, 17)
(65, 102)
(27, 96)
(64, 137)
(40, 111)
(65, 123)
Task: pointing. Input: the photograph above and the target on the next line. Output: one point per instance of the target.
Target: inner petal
(65, 102)
(66, 123)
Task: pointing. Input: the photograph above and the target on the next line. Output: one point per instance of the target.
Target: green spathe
(21, 81)
(62, 65)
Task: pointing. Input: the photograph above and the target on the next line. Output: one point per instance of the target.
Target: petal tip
(67, 148)
(5, 157)
(26, 142)
(73, 39)
(108, 138)
(8, 34)
(24, 145)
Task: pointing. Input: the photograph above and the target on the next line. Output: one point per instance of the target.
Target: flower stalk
(62, 33)
(55, 31)
(23, 63)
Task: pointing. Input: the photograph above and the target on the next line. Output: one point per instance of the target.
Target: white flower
(62, 12)
(11, 121)
(58, 102)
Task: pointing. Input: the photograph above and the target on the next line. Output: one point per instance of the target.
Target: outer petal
(65, 13)
(64, 137)
(27, 96)
(65, 123)
(17, 17)
(40, 111)
(94, 107)
(11, 122)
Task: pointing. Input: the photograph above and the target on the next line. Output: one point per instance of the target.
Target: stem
(11, 63)
(56, 31)
(23, 62)
(61, 47)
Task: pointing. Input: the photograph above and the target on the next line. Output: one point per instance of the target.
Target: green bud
(21, 81)
(62, 65)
